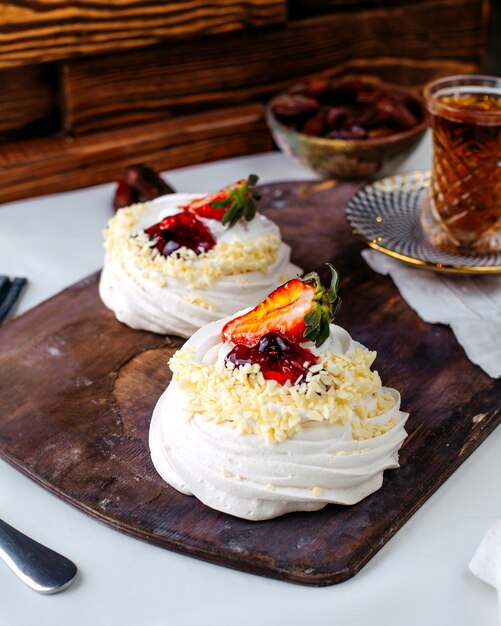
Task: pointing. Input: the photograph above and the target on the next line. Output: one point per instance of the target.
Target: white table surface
(419, 578)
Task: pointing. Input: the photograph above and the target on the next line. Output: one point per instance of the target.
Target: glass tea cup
(462, 210)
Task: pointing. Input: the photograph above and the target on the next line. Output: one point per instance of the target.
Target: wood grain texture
(77, 389)
(410, 45)
(48, 165)
(33, 31)
(29, 102)
(301, 8)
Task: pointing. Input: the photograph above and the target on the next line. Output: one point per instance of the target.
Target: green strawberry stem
(325, 305)
(240, 202)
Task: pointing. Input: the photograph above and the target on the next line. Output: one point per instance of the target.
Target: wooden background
(87, 87)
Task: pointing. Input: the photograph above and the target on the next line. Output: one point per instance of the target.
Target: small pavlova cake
(276, 410)
(181, 261)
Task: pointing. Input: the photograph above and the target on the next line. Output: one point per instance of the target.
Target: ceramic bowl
(350, 158)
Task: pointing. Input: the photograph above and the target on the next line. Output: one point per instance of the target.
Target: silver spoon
(39, 567)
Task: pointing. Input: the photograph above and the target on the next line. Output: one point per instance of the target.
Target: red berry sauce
(181, 230)
(279, 358)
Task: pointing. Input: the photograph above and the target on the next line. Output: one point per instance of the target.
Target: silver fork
(39, 567)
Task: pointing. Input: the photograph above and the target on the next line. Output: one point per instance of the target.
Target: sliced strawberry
(209, 212)
(300, 310)
(282, 311)
(228, 205)
(202, 207)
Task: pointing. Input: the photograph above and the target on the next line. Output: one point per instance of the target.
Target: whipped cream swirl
(176, 295)
(331, 461)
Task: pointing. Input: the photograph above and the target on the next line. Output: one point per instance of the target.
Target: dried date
(318, 87)
(139, 184)
(124, 196)
(315, 126)
(349, 109)
(338, 116)
(395, 112)
(375, 133)
(290, 105)
(148, 183)
(354, 132)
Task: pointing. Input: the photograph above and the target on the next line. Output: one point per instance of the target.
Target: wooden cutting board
(77, 389)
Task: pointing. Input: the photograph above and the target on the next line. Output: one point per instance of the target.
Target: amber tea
(463, 209)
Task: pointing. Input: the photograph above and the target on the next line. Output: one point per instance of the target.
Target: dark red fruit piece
(124, 196)
(148, 183)
(353, 132)
(279, 358)
(380, 132)
(315, 126)
(369, 94)
(181, 230)
(353, 107)
(403, 117)
(387, 110)
(318, 87)
(293, 105)
(337, 116)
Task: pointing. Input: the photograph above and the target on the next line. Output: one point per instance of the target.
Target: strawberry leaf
(239, 203)
(324, 330)
(312, 319)
(325, 305)
(219, 204)
(334, 283)
(232, 215)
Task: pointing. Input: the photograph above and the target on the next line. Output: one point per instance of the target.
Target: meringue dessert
(181, 261)
(276, 410)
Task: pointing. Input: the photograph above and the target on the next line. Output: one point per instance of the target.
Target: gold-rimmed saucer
(385, 214)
